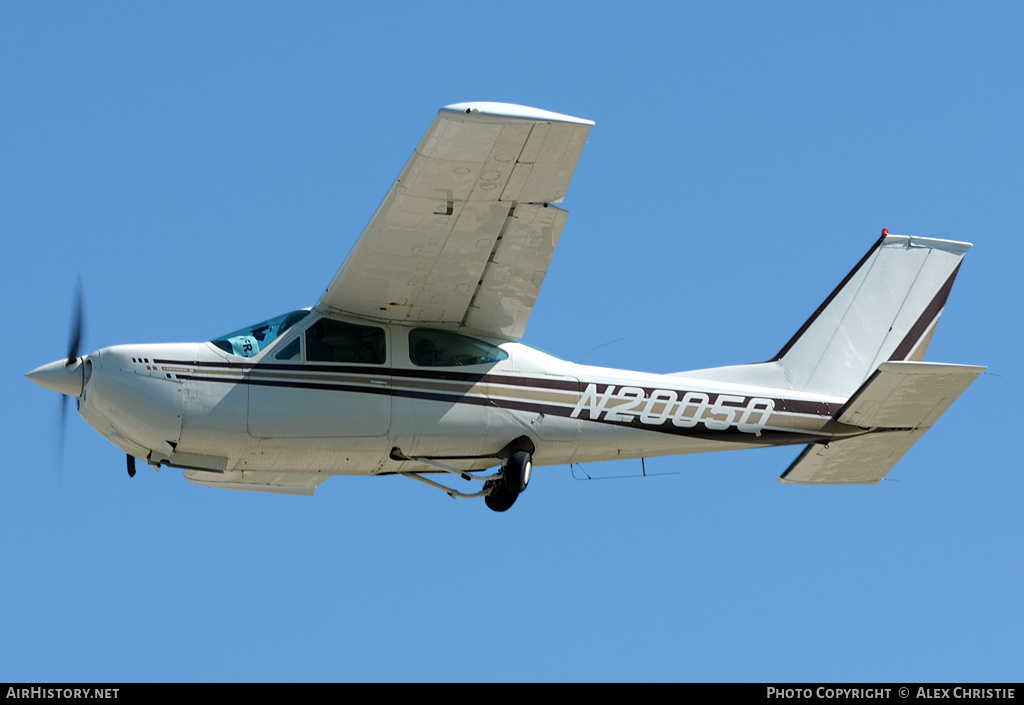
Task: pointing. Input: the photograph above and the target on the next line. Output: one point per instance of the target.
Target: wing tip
(935, 243)
(511, 110)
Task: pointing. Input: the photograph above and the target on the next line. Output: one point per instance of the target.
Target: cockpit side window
(439, 348)
(249, 341)
(291, 351)
(328, 340)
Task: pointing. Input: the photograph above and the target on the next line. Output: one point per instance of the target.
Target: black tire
(517, 471)
(501, 497)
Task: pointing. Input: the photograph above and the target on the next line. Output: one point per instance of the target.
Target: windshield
(248, 341)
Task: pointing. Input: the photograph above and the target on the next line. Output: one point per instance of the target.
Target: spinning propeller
(69, 376)
(74, 342)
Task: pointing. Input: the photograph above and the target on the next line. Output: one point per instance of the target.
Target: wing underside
(465, 236)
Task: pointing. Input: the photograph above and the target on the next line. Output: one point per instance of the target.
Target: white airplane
(410, 363)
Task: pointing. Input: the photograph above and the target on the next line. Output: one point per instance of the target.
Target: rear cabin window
(337, 341)
(439, 348)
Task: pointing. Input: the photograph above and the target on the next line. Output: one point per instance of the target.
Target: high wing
(465, 235)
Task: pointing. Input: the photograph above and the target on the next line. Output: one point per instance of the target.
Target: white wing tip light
(510, 110)
(928, 242)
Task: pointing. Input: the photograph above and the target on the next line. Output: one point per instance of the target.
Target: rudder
(884, 310)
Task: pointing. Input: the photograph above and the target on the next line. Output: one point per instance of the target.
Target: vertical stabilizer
(885, 310)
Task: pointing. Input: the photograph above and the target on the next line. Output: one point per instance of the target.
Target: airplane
(410, 362)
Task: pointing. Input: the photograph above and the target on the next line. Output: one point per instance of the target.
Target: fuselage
(408, 362)
(196, 405)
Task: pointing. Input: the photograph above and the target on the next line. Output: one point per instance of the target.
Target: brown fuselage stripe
(730, 435)
(797, 406)
(322, 382)
(471, 377)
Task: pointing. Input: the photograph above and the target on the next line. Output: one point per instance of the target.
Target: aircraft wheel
(501, 497)
(517, 471)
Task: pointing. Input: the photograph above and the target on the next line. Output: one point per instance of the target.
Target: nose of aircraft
(62, 377)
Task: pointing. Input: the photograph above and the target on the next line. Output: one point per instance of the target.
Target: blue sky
(204, 166)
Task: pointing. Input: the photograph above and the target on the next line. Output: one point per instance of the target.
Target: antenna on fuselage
(643, 470)
(580, 361)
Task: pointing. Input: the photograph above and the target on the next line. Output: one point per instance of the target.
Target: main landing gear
(500, 490)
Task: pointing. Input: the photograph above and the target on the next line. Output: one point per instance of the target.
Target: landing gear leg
(515, 477)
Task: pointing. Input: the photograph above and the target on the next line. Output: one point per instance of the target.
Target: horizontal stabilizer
(900, 401)
(863, 460)
(298, 483)
(907, 394)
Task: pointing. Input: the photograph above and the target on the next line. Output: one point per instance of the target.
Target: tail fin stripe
(885, 310)
(930, 313)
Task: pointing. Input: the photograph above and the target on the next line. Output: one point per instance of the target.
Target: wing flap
(449, 251)
(295, 483)
(515, 271)
(425, 255)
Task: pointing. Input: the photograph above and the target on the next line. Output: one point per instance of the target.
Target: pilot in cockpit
(316, 349)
